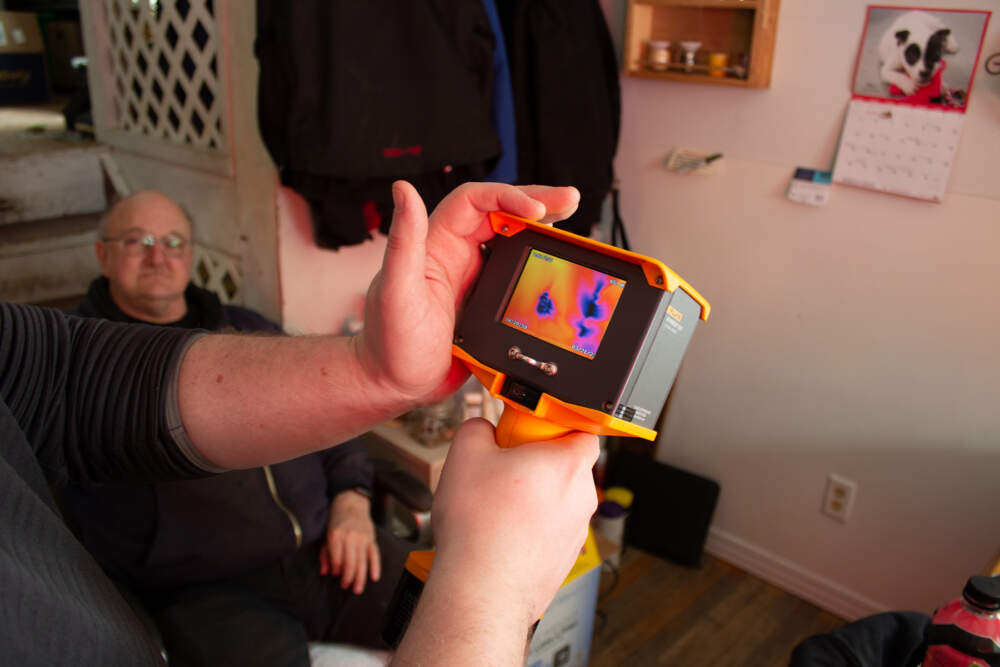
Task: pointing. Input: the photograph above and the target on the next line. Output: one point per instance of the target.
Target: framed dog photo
(925, 57)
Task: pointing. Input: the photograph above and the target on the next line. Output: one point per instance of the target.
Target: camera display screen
(563, 303)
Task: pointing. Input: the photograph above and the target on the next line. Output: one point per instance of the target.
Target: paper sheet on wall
(905, 142)
(897, 148)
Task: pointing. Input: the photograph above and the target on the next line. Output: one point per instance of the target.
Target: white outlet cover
(839, 490)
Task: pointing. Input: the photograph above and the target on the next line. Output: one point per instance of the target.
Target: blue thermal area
(588, 302)
(545, 306)
(590, 309)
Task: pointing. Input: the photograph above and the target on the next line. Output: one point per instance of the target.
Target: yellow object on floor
(620, 495)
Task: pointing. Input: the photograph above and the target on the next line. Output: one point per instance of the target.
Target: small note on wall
(911, 91)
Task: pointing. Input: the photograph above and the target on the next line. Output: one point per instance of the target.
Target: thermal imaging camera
(573, 334)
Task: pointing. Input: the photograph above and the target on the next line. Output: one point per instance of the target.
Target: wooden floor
(660, 613)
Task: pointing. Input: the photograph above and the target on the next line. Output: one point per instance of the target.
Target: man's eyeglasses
(134, 245)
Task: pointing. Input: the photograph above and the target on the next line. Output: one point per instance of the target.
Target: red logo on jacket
(400, 152)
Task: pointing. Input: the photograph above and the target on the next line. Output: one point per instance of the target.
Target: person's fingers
(585, 447)
(579, 449)
(360, 569)
(516, 202)
(336, 554)
(462, 212)
(406, 246)
(535, 202)
(576, 449)
(324, 561)
(374, 561)
(349, 571)
(560, 203)
(579, 452)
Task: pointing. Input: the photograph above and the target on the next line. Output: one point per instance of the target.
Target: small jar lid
(609, 509)
(620, 495)
(658, 44)
(983, 592)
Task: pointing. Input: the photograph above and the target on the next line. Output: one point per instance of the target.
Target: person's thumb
(406, 247)
(475, 435)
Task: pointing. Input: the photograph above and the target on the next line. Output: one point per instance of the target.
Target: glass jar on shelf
(658, 54)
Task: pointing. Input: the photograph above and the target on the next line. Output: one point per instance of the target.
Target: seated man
(235, 568)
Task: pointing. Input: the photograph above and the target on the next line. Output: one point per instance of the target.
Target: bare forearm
(508, 525)
(464, 621)
(246, 400)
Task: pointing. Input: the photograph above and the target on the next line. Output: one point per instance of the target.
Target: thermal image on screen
(563, 303)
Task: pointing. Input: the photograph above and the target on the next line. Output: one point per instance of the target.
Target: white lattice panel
(217, 273)
(165, 70)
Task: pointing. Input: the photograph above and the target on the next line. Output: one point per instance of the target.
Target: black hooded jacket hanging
(567, 98)
(354, 95)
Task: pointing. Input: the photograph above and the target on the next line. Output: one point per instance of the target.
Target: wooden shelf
(724, 4)
(744, 29)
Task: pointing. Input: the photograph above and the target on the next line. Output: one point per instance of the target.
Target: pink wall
(319, 288)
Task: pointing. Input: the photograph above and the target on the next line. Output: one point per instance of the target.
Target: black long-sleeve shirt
(154, 537)
(84, 400)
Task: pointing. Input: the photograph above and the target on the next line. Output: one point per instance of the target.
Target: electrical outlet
(839, 497)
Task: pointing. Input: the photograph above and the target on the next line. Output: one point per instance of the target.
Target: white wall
(320, 288)
(859, 338)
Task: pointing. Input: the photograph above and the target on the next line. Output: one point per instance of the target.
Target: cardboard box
(22, 59)
(563, 636)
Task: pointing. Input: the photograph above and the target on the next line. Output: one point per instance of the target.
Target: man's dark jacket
(164, 535)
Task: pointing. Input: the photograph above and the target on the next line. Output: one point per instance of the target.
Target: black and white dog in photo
(911, 50)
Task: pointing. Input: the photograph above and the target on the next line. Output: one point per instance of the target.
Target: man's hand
(428, 267)
(284, 397)
(520, 515)
(350, 550)
(508, 526)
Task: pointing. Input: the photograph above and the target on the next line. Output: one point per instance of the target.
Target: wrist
(358, 496)
(489, 621)
(373, 381)
(362, 491)
(482, 581)
(350, 502)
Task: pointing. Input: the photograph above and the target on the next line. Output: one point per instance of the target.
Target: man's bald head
(146, 280)
(137, 205)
